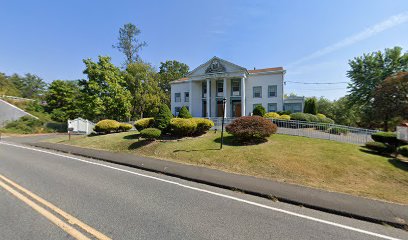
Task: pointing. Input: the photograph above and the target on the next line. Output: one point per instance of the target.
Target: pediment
(216, 66)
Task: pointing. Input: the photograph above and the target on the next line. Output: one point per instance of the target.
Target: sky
(313, 40)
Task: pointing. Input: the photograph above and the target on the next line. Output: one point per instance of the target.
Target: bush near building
(162, 120)
(271, 115)
(203, 125)
(259, 111)
(184, 113)
(182, 127)
(107, 126)
(150, 133)
(144, 123)
(251, 128)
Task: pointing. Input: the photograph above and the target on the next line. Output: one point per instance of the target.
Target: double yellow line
(14, 189)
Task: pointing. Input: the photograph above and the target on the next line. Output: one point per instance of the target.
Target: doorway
(236, 108)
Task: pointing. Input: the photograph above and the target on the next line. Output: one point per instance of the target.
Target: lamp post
(224, 100)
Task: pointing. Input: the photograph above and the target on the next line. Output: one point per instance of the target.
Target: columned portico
(208, 98)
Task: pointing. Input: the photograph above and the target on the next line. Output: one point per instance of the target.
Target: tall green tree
(104, 93)
(324, 106)
(391, 99)
(29, 85)
(7, 87)
(344, 114)
(170, 71)
(142, 82)
(62, 100)
(367, 72)
(129, 43)
(310, 105)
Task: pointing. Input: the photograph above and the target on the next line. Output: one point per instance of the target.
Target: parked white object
(402, 132)
(80, 126)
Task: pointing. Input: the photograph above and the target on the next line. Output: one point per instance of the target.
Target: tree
(170, 71)
(344, 114)
(310, 105)
(62, 100)
(7, 87)
(104, 94)
(259, 110)
(128, 42)
(391, 99)
(324, 106)
(367, 72)
(142, 82)
(30, 86)
(162, 120)
(184, 113)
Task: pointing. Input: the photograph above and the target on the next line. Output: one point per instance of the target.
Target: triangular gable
(216, 65)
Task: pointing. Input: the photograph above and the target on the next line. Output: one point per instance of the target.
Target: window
(272, 107)
(235, 87)
(177, 110)
(177, 97)
(204, 90)
(220, 88)
(186, 97)
(292, 107)
(272, 90)
(257, 92)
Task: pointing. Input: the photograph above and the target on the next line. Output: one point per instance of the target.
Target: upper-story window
(177, 97)
(272, 90)
(204, 90)
(220, 88)
(235, 87)
(186, 97)
(257, 92)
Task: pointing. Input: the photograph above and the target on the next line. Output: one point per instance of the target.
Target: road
(50, 195)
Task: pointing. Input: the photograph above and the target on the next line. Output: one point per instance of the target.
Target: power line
(317, 83)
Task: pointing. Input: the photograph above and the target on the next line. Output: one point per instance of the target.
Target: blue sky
(313, 40)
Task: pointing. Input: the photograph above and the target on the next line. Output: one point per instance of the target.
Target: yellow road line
(70, 230)
(71, 219)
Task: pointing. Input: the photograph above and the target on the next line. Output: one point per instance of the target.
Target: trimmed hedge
(284, 117)
(107, 126)
(337, 131)
(203, 125)
(271, 115)
(378, 147)
(389, 138)
(150, 133)
(403, 150)
(251, 127)
(144, 123)
(162, 120)
(184, 113)
(259, 111)
(182, 126)
(124, 127)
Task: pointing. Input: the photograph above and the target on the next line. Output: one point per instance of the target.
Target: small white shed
(402, 132)
(80, 126)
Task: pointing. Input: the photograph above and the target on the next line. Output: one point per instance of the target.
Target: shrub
(182, 127)
(271, 115)
(378, 147)
(311, 118)
(25, 124)
(203, 125)
(124, 127)
(162, 120)
(150, 133)
(320, 116)
(284, 112)
(327, 120)
(299, 116)
(184, 113)
(259, 111)
(251, 127)
(389, 138)
(311, 105)
(284, 117)
(144, 123)
(107, 126)
(403, 150)
(338, 131)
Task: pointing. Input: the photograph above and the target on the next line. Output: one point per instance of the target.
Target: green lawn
(324, 164)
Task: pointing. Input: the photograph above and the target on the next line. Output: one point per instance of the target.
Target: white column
(190, 100)
(243, 103)
(207, 98)
(225, 96)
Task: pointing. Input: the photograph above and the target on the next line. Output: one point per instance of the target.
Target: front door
(220, 109)
(236, 108)
(204, 113)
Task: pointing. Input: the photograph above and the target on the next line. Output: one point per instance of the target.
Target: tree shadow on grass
(399, 164)
(369, 151)
(196, 150)
(232, 141)
(139, 144)
(133, 136)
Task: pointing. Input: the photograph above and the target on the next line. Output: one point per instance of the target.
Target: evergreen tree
(184, 113)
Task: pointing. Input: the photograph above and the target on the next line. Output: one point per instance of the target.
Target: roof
(179, 80)
(265, 70)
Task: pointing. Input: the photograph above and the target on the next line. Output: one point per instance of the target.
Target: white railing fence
(328, 131)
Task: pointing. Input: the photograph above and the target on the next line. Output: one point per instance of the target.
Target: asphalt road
(125, 203)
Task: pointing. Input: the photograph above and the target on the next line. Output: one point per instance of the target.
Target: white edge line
(215, 193)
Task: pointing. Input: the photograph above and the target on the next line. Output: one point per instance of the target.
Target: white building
(204, 88)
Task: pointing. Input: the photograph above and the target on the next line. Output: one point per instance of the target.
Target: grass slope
(324, 164)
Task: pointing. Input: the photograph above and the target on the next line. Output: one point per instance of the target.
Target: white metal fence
(80, 126)
(328, 131)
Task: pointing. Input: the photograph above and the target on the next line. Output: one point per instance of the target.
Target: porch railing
(335, 132)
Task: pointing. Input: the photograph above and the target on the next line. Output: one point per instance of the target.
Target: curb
(370, 210)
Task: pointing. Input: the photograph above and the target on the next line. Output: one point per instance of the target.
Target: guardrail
(335, 132)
